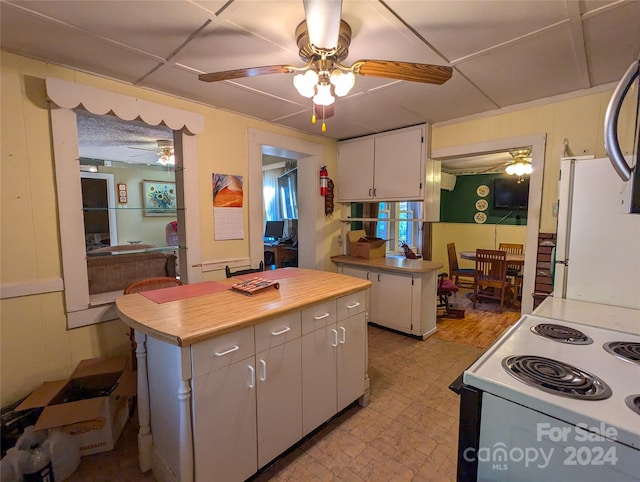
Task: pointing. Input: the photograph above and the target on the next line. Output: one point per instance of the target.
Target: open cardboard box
(361, 246)
(92, 404)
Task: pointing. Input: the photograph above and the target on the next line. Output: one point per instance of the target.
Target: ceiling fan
(164, 151)
(323, 40)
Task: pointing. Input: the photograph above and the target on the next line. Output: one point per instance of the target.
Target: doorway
(98, 203)
(309, 157)
(537, 143)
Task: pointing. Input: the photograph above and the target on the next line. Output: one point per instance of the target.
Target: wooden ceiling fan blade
(427, 73)
(249, 72)
(323, 22)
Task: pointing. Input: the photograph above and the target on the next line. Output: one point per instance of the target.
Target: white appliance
(598, 240)
(570, 427)
(557, 396)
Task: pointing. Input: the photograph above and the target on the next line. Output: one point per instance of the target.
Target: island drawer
(221, 351)
(318, 316)
(350, 305)
(277, 331)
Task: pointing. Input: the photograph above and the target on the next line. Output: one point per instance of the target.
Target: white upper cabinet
(383, 167)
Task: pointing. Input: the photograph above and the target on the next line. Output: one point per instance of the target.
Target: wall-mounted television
(511, 193)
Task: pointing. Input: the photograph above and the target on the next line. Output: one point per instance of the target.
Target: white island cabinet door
(224, 407)
(279, 386)
(319, 364)
(352, 337)
(355, 170)
(399, 165)
(391, 296)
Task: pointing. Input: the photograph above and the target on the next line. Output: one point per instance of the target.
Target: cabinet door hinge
(420, 184)
(412, 281)
(421, 139)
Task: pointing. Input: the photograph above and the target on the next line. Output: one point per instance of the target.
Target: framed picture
(159, 198)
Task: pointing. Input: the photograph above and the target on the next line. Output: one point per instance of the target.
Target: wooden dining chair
(455, 272)
(514, 270)
(147, 284)
(490, 280)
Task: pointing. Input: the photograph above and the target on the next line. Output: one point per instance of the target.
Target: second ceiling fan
(323, 40)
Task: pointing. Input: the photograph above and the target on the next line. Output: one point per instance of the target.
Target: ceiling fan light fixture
(305, 83)
(342, 82)
(323, 95)
(521, 164)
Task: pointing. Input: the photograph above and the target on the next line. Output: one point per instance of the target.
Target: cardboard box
(361, 246)
(92, 404)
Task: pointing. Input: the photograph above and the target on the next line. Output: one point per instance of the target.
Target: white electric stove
(553, 399)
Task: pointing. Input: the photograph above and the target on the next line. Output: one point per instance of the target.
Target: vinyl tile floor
(408, 431)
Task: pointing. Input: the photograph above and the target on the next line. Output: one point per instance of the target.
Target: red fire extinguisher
(324, 181)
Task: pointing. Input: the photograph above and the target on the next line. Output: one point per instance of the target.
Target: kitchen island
(403, 291)
(227, 382)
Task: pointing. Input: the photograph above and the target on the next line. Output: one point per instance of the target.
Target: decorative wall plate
(480, 218)
(482, 190)
(482, 204)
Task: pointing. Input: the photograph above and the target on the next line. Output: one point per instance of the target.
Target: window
(398, 232)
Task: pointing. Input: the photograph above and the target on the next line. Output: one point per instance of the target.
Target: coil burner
(556, 377)
(561, 333)
(625, 350)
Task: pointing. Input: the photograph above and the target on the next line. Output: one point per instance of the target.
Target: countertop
(391, 263)
(188, 321)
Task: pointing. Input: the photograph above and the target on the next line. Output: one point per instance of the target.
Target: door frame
(310, 212)
(111, 202)
(538, 144)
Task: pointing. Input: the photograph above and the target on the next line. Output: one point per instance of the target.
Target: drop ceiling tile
(224, 95)
(50, 41)
(156, 27)
(534, 68)
(437, 103)
(611, 39)
(378, 35)
(460, 28)
(220, 46)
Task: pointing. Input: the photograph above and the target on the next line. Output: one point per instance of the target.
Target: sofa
(113, 271)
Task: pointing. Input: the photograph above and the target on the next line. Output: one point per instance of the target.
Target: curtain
(271, 204)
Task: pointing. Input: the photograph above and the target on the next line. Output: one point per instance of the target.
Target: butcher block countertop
(192, 319)
(391, 263)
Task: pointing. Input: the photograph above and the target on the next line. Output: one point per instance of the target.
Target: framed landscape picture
(159, 198)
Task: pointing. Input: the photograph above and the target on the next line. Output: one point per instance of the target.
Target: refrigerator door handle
(611, 143)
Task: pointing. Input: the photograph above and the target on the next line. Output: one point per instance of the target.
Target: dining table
(512, 258)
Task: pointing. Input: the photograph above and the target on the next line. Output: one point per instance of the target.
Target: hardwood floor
(408, 432)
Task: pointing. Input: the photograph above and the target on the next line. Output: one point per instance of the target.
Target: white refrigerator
(597, 257)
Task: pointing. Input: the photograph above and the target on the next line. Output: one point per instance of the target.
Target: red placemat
(175, 293)
(273, 274)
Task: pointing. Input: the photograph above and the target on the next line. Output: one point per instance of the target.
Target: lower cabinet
(333, 358)
(279, 386)
(402, 301)
(259, 390)
(224, 407)
(390, 299)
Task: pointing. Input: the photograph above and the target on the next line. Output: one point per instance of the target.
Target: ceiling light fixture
(521, 164)
(166, 153)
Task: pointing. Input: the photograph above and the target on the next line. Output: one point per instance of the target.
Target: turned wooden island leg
(145, 439)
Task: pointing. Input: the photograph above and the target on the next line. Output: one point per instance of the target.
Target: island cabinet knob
(344, 335)
(321, 317)
(352, 306)
(335, 338)
(252, 372)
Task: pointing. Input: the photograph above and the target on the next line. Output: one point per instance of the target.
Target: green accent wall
(459, 205)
